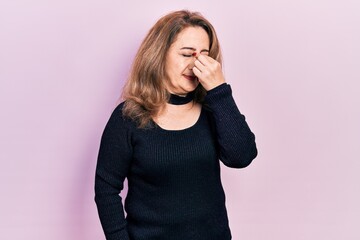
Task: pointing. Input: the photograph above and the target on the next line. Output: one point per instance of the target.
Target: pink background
(294, 67)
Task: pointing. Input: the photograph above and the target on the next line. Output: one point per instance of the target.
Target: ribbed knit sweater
(174, 185)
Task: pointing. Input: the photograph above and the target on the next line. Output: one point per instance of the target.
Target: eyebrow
(193, 49)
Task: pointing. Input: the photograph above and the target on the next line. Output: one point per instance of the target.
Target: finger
(210, 63)
(205, 60)
(202, 59)
(197, 72)
(199, 65)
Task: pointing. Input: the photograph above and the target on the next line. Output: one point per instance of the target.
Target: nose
(192, 63)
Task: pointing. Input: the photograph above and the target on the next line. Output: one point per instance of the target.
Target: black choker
(179, 100)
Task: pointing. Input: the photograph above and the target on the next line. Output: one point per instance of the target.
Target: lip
(190, 77)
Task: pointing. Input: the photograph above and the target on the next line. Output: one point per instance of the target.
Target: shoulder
(118, 120)
(118, 110)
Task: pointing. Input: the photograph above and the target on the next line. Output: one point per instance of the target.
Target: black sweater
(174, 185)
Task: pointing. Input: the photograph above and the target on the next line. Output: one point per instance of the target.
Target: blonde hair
(144, 92)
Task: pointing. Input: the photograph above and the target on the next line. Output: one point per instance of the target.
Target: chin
(190, 88)
(184, 88)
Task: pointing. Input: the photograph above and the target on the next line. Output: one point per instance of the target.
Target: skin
(187, 65)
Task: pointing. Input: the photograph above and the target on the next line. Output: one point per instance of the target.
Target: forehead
(195, 37)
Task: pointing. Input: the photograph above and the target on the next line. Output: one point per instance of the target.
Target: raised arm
(237, 147)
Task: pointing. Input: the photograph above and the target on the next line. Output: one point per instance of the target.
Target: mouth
(190, 77)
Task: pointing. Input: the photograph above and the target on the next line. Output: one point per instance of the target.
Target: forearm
(237, 147)
(110, 210)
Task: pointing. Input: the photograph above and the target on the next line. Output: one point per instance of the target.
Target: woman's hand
(208, 71)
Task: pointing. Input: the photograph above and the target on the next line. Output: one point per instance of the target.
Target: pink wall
(293, 65)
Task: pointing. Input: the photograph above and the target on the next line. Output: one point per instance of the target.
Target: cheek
(178, 67)
(184, 64)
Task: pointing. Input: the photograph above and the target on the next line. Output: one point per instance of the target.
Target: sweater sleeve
(112, 166)
(237, 147)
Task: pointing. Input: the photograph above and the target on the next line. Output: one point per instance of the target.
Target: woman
(177, 120)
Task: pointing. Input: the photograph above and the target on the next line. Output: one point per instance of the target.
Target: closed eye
(187, 55)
